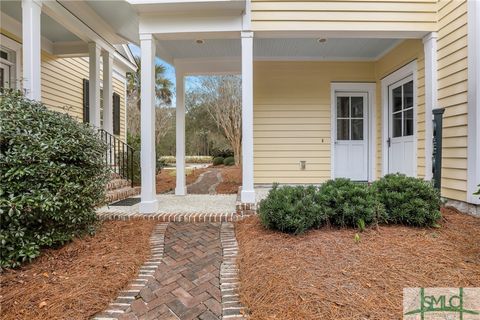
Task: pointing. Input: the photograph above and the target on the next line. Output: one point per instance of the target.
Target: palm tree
(163, 86)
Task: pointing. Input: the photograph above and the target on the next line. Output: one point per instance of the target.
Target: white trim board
(364, 87)
(407, 70)
(473, 150)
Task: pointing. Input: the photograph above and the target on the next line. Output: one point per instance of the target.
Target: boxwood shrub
(290, 209)
(230, 161)
(218, 161)
(53, 176)
(408, 200)
(346, 203)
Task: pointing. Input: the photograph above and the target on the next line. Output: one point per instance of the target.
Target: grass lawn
(325, 274)
(79, 279)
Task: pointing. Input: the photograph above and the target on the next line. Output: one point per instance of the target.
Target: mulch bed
(79, 279)
(166, 180)
(232, 179)
(325, 274)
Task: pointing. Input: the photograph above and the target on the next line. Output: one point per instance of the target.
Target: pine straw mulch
(166, 179)
(79, 279)
(232, 179)
(324, 274)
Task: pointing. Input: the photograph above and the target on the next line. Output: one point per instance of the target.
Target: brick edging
(229, 280)
(125, 298)
(171, 217)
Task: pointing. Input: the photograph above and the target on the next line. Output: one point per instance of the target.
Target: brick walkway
(186, 284)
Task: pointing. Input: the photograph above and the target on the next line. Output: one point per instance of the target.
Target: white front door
(401, 146)
(351, 136)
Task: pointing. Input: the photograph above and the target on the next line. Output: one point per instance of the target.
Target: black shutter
(116, 113)
(86, 106)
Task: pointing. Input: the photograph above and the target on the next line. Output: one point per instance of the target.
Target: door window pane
(343, 107)
(397, 99)
(357, 107)
(342, 129)
(357, 129)
(408, 122)
(408, 95)
(397, 124)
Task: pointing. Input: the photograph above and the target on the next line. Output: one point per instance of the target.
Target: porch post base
(149, 206)
(179, 191)
(247, 196)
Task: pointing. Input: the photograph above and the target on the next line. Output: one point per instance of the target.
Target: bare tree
(222, 97)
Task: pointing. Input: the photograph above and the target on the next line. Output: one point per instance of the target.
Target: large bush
(52, 177)
(290, 209)
(230, 161)
(218, 161)
(407, 200)
(348, 204)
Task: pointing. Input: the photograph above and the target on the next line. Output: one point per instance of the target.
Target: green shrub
(407, 200)
(349, 204)
(53, 176)
(230, 161)
(222, 152)
(290, 209)
(218, 161)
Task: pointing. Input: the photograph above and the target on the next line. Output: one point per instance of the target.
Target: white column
(181, 188)
(31, 11)
(248, 192)
(430, 50)
(94, 83)
(107, 59)
(149, 202)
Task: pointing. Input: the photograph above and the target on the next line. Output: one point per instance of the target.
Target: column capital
(146, 37)
(246, 34)
(36, 2)
(430, 36)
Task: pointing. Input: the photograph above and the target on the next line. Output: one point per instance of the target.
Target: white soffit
(330, 49)
(281, 49)
(50, 29)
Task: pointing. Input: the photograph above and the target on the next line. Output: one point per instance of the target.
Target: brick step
(123, 193)
(117, 184)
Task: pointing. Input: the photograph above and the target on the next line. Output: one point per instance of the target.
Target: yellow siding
(292, 117)
(384, 15)
(401, 55)
(62, 86)
(452, 95)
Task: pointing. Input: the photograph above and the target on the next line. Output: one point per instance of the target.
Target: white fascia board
(63, 16)
(15, 27)
(156, 24)
(120, 60)
(209, 66)
(340, 34)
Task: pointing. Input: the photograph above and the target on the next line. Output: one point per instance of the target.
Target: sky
(169, 72)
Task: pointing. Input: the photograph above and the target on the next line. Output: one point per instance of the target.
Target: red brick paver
(186, 284)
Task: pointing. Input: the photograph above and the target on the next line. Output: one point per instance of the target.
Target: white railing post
(94, 83)
(149, 203)
(31, 13)
(181, 188)
(248, 192)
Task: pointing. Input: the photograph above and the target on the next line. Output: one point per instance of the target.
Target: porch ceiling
(277, 48)
(50, 29)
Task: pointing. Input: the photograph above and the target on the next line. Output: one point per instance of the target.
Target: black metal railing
(119, 156)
